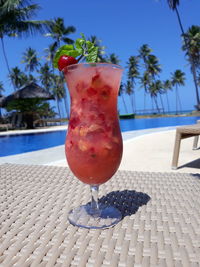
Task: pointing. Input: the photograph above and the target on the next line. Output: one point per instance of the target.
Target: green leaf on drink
(79, 45)
(65, 50)
(83, 36)
(92, 56)
(82, 47)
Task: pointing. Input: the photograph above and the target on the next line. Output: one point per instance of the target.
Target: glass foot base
(85, 217)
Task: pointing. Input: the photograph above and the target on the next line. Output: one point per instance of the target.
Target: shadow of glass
(126, 201)
(196, 175)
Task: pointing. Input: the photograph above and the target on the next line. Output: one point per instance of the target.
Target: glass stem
(94, 202)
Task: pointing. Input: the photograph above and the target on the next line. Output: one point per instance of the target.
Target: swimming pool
(139, 124)
(21, 143)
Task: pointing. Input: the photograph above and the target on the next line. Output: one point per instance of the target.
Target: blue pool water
(16, 144)
(21, 143)
(139, 124)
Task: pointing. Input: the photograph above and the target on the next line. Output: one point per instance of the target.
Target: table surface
(160, 225)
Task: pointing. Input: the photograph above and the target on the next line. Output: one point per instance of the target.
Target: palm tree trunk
(133, 102)
(58, 106)
(193, 68)
(156, 102)
(179, 100)
(4, 54)
(161, 100)
(126, 110)
(179, 20)
(194, 73)
(168, 108)
(176, 100)
(6, 60)
(144, 100)
(152, 105)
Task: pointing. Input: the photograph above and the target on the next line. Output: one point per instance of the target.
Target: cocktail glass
(94, 142)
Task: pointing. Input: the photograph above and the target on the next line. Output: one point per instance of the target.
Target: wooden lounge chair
(182, 133)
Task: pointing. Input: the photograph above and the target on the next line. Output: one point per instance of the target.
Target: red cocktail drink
(94, 142)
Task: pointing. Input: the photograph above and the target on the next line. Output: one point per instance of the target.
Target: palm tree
(130, 91)
(178, 78)
(154, 88)
(145, 82)
(173, 4)
(16, 76)
(192, 37)
(16, 20)
(58, 90)
(31, 79)
(167, 85)
(152, 70)
(112, 58)
(30, 59)
(26, 79)
(121, 93)
(144, 52)
(46, 77)
(153, 66)
(192, 48)
(161, 91)
(133, 74)
(1, 88)
(50, 53)
(59, 32)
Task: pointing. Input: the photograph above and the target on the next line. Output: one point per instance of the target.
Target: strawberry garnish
(65, 61)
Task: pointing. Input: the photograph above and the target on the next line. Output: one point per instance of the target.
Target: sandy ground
(153, 152)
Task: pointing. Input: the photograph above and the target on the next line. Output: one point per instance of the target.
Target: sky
(122, 26)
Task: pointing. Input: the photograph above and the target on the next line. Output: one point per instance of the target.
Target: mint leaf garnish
(92, 56)
(79, 45)
(82, 48)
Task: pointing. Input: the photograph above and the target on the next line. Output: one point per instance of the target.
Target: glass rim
(92, 64)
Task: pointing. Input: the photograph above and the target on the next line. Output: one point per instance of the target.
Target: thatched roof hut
(31, 90)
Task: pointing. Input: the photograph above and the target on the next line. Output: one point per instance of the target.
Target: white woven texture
(161, 224)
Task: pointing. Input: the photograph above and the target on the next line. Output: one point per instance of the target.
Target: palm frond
(173, 3)
(17, 21)
(67, 40)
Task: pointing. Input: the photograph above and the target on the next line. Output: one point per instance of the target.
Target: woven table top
(160, 225)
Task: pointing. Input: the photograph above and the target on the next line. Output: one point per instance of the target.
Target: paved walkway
(144, 150)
